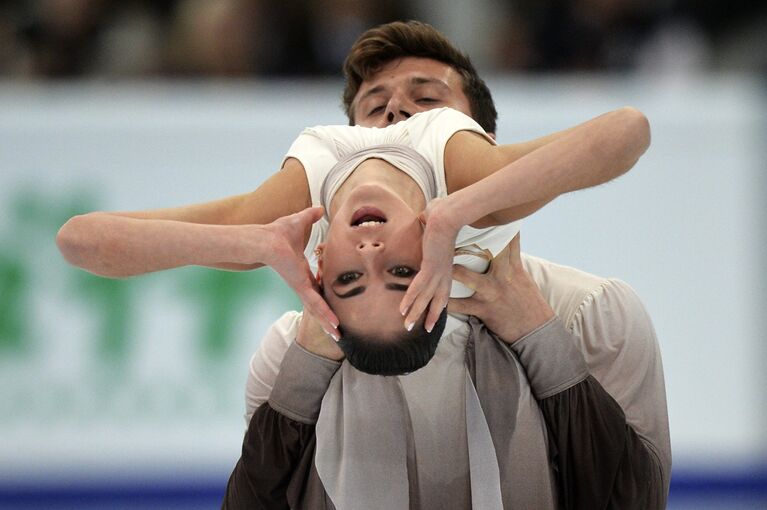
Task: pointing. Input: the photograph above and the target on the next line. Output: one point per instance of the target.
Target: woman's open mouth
(367, 216)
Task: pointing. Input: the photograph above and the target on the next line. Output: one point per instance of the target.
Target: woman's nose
(370, 246)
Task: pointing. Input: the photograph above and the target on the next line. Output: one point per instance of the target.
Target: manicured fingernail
(428, 330)
(409, 327)
(331, 335)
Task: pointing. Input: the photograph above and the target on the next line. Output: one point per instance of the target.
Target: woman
(376, 214)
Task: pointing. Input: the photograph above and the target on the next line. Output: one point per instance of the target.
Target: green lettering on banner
(34, 281)
(224, 298)
(34, 220)
(112, 300)
(14, 283)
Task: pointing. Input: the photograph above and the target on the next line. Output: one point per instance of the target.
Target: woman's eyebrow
(356, 291)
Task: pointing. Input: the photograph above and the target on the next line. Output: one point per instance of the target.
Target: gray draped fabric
(468, 419)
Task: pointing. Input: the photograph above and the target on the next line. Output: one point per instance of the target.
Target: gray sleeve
(551, 359)
(265, 362)
(301, 383)
(616, 336)
(600, 460)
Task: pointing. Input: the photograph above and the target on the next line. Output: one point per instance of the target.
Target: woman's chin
(371, 191)
(371, 195)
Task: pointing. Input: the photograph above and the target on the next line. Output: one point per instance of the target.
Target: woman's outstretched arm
(269, 226)
(492, 185)
(121, 244)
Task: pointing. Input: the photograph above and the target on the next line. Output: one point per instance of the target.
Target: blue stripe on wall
(184, 493)
(208, 492)
(743, 482)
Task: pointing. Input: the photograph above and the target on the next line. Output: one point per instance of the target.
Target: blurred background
(130, 393)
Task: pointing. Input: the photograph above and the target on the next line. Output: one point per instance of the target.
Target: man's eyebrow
(356, 291)
(416, 80)
(375, 90)
(420, 80)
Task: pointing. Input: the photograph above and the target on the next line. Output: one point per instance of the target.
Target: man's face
(406, 86)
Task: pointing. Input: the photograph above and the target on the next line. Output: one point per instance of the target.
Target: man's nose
(397, 109)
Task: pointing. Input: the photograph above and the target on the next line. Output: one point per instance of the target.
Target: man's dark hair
(403, 355)
(382, 44)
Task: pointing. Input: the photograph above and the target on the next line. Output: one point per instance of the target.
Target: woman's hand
(431, 287)
(285, 254)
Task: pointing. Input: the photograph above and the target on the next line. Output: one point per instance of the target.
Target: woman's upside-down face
(372, 253)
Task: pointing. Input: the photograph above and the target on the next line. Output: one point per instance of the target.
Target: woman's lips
(367, 213)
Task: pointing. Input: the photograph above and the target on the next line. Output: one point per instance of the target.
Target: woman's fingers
(307, 291)
(438, 303)
(322, 312)
(310, 214)
(420, 303)
(313, 214)
(412, 292)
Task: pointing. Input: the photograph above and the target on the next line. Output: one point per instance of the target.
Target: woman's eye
(426, 100)
(402, 271)
(376, 110)
(347, 278)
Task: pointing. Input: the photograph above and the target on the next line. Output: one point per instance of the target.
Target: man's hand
(312, 338)
(506, 298)
(285, 254)
(431, 286)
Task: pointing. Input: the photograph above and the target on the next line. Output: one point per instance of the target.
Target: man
(587, 457)
(400, 69)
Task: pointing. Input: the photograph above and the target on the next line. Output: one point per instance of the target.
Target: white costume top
(320, 148)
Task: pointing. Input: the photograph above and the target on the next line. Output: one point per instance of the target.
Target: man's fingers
(465, 306)
(509, 256)
(469, 278)
(514, 249)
